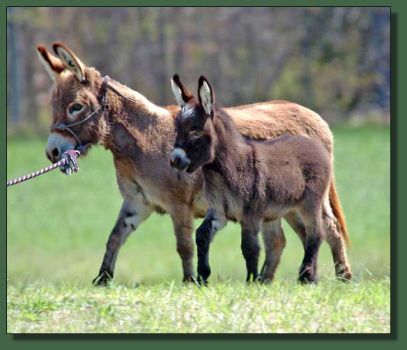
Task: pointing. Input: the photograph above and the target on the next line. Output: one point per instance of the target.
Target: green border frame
(398, 171)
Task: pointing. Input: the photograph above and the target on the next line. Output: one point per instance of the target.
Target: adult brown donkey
(249, 181)
(90, 109)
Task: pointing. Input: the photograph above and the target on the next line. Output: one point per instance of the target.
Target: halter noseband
(102, 108)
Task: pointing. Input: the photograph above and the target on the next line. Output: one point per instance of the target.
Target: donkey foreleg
(182, 218)
(206, 231)
(130, 217)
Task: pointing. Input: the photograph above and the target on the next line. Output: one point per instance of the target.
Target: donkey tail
(338, 211)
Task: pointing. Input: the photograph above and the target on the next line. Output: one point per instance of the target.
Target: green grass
(58, 226)
(223, 307)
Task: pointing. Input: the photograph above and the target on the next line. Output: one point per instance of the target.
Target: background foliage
(334, 60)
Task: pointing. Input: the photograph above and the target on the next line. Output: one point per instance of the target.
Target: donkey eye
(76, 107)
(196, 133)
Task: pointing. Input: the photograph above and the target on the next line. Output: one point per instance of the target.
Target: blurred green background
(333, 60)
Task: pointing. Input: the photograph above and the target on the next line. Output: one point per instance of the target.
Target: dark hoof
(307, 276)
(102, 279)
(266, 276)
(265, 280)
(344, 275)
(202, 282)
(204, 271)
(253, 278)
(190, 280)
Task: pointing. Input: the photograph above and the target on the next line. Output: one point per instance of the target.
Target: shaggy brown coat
(249, 181)
(140, 136)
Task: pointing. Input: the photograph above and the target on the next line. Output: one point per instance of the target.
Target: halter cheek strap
(102, 108)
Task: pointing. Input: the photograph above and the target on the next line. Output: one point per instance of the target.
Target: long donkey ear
(181, 92)
(206, 95)
(53, 65)
(70, 60)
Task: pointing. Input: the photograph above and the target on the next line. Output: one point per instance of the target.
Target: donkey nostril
(55, 152)
(174, 159)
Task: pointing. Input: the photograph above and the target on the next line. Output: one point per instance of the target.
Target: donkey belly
(163, 202)
(276, 211)
(163, 190)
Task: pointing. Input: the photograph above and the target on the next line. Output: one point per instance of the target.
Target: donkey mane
(141, 101)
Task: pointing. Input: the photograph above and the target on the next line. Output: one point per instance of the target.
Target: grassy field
(58, 226)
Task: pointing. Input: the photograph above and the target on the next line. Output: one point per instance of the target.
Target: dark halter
(98, 111)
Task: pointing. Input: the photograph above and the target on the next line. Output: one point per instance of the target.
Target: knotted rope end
(69, 162)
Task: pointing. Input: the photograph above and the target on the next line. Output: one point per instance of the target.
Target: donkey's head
(195, 138)
(76, 94)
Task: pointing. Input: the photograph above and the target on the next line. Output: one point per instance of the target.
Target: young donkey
(248, 181)
(89, 109)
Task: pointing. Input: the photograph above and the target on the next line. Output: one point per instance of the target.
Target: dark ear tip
(202, 77)
(55, 48)
(41, 48)
(57, 45)
(176, 78)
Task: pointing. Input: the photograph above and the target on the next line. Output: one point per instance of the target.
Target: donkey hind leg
(212, 223)
(182, 219)
(274, 243)
(130, 216)
(313, 225)
(250, 249)
(336, 242)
